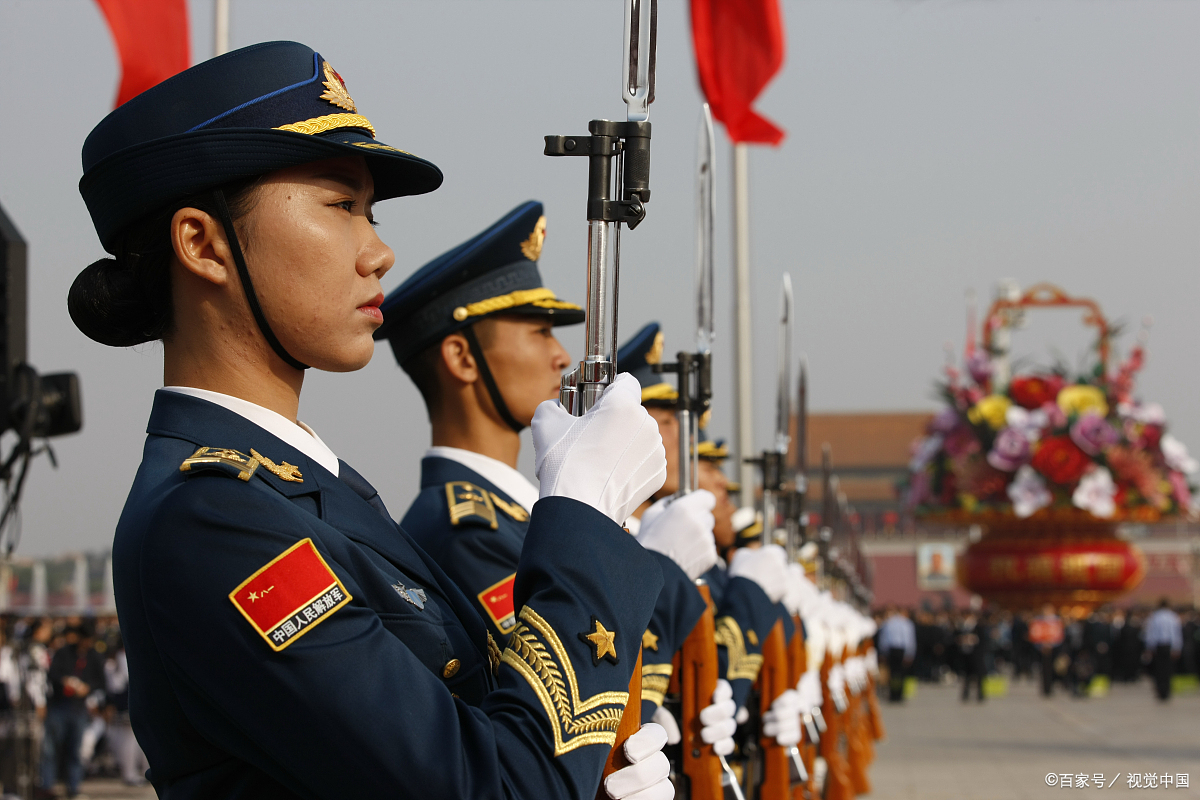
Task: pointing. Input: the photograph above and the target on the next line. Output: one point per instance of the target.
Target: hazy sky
(932, 147)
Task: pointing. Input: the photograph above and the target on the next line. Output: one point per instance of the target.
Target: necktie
(362, 488)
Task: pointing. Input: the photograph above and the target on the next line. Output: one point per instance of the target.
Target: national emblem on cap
(246, 113)
(494, 272)
(638, 357)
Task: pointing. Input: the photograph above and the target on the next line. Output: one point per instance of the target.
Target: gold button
(451, 668)
(460, 313)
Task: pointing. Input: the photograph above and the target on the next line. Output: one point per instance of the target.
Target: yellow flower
(1082, 399)
(991, 409)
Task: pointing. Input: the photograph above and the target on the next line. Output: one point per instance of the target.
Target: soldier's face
(668, 428)
(316, 261)
(714, 480)
(526, 360)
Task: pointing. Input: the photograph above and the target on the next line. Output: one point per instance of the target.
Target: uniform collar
(499, 474)
(297, 434)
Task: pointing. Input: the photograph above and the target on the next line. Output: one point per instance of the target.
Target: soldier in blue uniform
(745, 612)
(474, 329)
(285, 637)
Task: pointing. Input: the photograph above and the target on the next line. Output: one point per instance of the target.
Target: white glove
(871, 662)
(611, 458)
(646, 778)
(718, 722)
(742, 716)
(856, 674)
(837, 686)
(682, 530)
(667, 720)
(793, 598)
(809, 689)
(766, 566)
(783, 720)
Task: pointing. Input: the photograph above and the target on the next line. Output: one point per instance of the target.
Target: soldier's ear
(457, 359)
(200, 245)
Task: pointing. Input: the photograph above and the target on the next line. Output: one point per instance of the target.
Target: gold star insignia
(649, 640)
(603, 640)
(253, 596)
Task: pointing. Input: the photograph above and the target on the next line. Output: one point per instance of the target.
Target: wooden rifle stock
(797, 666)
(631, 721)
(697, 682)
(837, 780)
(773, 681)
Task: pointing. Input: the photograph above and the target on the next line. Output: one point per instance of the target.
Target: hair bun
(109, 306)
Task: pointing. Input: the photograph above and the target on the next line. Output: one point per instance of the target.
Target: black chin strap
(489, 381)
(248, 287)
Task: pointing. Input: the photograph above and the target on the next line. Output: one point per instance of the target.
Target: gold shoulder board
(470, 505)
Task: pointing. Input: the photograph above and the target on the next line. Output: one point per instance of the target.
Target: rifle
(698, 660)
(629, 143)
(773, 681)
(771, 460)
(778, 761)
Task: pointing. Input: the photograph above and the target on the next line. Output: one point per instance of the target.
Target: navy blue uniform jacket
(482, 559)
(382, 685)
(744, 618)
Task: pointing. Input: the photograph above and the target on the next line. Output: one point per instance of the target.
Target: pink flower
(979, 366)
(944, 421)
(1028, 492)
(1183, 492)
(961, 442)
(1010, 450)
(1055, 416)
(1092, 433)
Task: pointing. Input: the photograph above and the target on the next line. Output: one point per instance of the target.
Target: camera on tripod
(34, 406)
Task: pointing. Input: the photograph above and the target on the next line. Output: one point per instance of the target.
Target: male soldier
(482, 375)
(744, 595)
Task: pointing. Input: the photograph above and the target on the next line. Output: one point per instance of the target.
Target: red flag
(152, 40)
(739, 48)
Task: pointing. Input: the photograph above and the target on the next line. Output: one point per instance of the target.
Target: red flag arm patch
(295, 592)
(497, 601)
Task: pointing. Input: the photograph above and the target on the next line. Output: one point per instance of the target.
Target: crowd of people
(1068, 652)
(64, 705)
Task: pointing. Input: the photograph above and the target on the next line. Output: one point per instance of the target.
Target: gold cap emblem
(335, 89)
(532, 247)
(654, 354)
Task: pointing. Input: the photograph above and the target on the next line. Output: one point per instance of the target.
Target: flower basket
(1048, 463)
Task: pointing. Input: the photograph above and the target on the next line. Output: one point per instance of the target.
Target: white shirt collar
(297, 434)
(501, 475)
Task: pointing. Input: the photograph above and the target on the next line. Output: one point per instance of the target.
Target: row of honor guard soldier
(474, 330)
(285, 637)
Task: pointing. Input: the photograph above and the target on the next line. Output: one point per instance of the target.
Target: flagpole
(744, 353)
(220, 27)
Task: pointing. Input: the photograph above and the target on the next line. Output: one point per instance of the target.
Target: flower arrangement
(1050, 444)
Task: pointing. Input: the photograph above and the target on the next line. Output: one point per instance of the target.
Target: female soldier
(283, 640)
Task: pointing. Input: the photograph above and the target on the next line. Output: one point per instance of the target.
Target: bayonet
(617, 194)
(772, 459)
